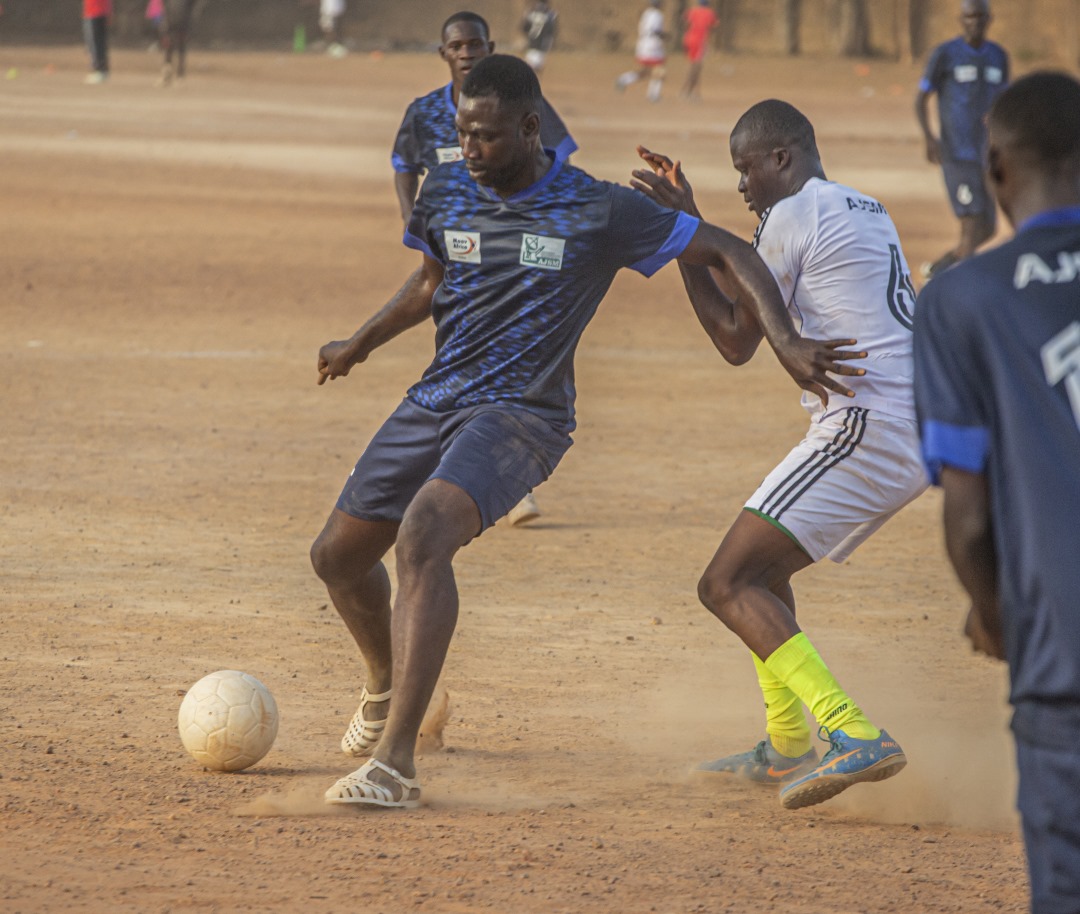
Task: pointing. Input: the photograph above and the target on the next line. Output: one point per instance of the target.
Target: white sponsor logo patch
(464, 247)
(448, 154)
(966, 73)
(994, 75)
(539, 251)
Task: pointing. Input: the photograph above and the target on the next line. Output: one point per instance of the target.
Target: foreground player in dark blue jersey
(997, 383)
(966, 74)
(518, 250)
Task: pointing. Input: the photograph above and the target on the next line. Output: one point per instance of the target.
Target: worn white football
(228, 720)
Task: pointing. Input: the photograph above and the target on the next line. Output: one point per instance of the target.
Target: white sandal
(363, 736)
(359, 788)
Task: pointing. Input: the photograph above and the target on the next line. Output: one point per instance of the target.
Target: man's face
(464, 43)
(760, 180)
(974, 20)
(497, 142)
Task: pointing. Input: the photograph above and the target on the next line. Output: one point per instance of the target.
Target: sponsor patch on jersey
(994, 75)
(464, 247)
(966, 73)
(540, 251)
(448, 154)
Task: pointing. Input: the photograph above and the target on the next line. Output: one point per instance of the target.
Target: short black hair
(505, 77)
(775, 123)
(1040, 114)
(466, 16)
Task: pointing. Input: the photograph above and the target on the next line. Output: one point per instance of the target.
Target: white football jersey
(650, 43)
(836, 256)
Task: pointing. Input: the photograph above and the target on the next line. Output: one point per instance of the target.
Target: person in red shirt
(700, 20)
(96, 15)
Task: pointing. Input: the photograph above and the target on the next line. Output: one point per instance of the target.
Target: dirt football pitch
(170, 262)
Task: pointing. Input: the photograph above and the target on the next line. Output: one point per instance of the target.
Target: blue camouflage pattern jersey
(966, 80)
(997, 387)
(524, 276)
(428, 133)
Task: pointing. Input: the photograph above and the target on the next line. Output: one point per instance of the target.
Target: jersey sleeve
(553, 132)
(934, 73)
(406, 156)
(782, 240)
(645, 235)
(951, 411)
(418, 233)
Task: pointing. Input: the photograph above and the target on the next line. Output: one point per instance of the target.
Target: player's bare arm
(970, 543)
(406, 185)
(742, 272)
(922, 112)
(729, 321)
(410, 306)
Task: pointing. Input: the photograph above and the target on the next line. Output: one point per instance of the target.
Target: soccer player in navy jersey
(428, 137)
(997, 385)
(518, 250)
(966, 74)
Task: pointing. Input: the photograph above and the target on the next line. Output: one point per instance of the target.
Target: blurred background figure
(96, 15)
(540, 25)
(330, 15)
(650, 52)
(155, 18)
(700, 21)
(175, 26)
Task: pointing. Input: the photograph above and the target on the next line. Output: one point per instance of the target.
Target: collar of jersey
(1065, 215)
(548, 177)
(449, 90)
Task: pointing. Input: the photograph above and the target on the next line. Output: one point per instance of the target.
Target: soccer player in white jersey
(650, 53)
(836, 257)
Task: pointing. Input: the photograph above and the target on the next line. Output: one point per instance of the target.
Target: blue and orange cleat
(848, 761)
(762, 764)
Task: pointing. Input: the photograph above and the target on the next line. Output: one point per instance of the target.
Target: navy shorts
(966, 185)
(1049, 803)
(495, 452)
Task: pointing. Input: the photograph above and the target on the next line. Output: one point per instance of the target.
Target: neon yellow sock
(799, 666)
(784, 719)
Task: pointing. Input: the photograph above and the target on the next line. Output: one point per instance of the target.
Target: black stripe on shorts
(816, 465)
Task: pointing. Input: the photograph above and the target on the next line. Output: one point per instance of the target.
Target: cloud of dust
(301, 801)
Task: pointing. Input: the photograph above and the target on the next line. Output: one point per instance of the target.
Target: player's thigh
(1049, 803)
(398, 460)
(498, 454)
(847, 477)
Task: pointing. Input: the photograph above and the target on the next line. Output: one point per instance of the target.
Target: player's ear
(530, 125)
(781, 157)
(993, 165)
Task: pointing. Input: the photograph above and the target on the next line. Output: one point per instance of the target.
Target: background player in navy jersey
(518, 250)
(836, 257)
(428, 137)
(997, 383)
(965, 74)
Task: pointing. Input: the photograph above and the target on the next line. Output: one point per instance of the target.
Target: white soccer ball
(228, 720)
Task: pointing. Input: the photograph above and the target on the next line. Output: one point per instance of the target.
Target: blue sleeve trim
(925, 86)
(684, 230)
(566, 148)
(418, 244)
(964, 447)
(400, 165)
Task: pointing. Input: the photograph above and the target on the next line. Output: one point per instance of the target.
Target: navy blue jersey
(966, 81)
(997, 383)
(523, 277)
(428, 134)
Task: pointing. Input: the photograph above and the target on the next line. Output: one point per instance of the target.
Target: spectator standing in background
(540, 25)
(175, 25)
(330, 15)
(96, 15)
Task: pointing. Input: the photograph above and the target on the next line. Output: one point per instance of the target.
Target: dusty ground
(170, 263)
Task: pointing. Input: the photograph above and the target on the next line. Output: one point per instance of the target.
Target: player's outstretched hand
(665, 182)
(810, 362)
(335, 360)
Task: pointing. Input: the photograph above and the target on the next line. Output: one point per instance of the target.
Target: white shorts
(853, 471)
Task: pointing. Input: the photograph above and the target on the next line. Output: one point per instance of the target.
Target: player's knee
(327, 558)
(716, 592)
(423, 537)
